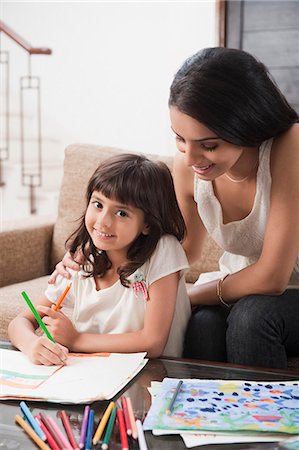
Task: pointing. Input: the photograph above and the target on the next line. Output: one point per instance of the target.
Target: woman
(236, 178)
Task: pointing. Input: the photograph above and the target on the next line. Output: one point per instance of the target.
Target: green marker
(36, 315)
(109, 429)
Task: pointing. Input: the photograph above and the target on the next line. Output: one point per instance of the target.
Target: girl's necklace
(242, 179)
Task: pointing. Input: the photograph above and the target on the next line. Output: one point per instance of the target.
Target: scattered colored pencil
(58, 304)
(126, 415)
(51, 441)
(174, 397)
(88, 440)
(84, 426)
(51, 430)
(141, 437)
(37, 317)
(132, 418)
(31, 420)
(109, 429)
(66, 444)
(122, 430)
(68, 429)
(99, 431)
(30, 431)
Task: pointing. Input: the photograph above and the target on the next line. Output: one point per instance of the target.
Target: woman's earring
(99, 252)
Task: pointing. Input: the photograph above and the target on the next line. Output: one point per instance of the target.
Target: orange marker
(58, 304)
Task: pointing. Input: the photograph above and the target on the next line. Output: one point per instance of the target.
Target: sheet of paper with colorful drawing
(84, 379)
(227, 406)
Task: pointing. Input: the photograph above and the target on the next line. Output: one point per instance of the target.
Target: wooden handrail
(20, 41)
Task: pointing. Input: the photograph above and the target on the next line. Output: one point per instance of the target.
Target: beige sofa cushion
(80, 163)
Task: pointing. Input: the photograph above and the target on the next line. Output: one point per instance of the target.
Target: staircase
(31, 163)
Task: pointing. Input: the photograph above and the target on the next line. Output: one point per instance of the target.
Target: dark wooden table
(12, 437)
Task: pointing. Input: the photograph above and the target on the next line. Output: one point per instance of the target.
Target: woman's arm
(152, 338)
(39, 349)
(271, 273)
(183, 177)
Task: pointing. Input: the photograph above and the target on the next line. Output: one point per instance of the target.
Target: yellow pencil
(58, 304)
(101, 426)
(31, 433)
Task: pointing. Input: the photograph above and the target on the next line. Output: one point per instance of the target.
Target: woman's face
(207, 154)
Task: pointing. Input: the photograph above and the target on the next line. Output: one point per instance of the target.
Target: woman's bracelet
(219, 291)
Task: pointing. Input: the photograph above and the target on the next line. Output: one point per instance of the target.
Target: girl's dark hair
(232, 94)
(137, 181)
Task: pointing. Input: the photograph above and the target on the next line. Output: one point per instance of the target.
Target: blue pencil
(84, 426)
(89, 430)
(29, 417)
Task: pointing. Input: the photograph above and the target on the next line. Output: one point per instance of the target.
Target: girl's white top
(241, 240)
(118, 309)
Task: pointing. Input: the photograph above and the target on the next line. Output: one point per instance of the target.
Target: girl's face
(207, 154)
(113, 226)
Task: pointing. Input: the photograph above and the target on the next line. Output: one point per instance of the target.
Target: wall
(108, 78)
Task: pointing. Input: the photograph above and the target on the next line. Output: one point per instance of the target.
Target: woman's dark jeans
(259, 330)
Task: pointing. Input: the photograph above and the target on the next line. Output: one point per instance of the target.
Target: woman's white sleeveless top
(241, 240)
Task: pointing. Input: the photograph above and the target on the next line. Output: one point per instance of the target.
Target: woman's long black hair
(134, 180)
(232, 94)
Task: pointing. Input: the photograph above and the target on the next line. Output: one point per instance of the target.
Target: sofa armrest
(25, 253)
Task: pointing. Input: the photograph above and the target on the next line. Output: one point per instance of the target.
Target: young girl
(129, 295)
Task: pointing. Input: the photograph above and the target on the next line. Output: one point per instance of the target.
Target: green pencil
(109, 429)
(36, 315)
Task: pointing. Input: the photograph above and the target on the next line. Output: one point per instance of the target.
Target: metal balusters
(31, 159)
(4, 113)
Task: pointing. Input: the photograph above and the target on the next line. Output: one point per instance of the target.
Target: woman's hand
(59, 325)
(43, 351)
(68, 262)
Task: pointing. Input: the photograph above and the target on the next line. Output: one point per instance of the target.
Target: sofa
(31, 250)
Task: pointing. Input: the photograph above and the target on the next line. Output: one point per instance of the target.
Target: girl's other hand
(45, 352)
(68, 262)
(59, 325)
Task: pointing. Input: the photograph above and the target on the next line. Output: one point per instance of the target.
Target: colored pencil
(66, 444)
(37, 317)
(122, 429)
(141, 437)
(58, 304)
(27, 413)
(68, 429)
(84, 426)
(174, 397)
(51, 430)
(88, 442)
(51, 441)
(109, 429)
(30, 431)
(132, 418)
(126, 415)
(99, 431)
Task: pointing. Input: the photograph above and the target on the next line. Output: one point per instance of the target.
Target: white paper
(83, 379)
(193, 440)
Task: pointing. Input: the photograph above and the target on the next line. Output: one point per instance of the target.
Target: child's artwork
(226, 405)
(83, 379)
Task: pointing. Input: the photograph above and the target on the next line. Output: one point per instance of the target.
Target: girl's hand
(68, 262)
(59, 325)
(43, 351)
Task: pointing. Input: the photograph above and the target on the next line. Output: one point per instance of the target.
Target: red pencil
(126, 415)
(53, 433)
(68, 429)
(49, 437)
(122, 430)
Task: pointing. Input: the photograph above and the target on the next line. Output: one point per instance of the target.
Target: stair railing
(31, 174)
